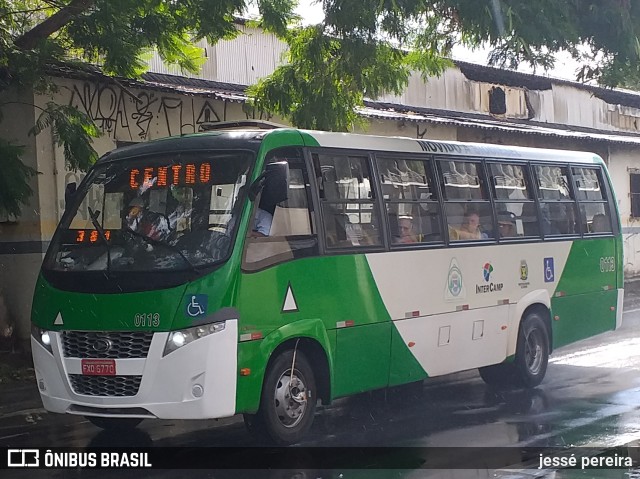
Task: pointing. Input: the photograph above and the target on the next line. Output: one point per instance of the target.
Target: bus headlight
(178, 339)
(42, 336)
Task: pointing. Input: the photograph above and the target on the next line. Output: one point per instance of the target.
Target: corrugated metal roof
(501, 76)
(372, 109)
(497, 125)
(159, 82)
(195, 86)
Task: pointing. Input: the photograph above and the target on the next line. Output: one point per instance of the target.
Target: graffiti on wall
(126, 115)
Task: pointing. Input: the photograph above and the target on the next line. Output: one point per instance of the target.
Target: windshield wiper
(169, 246)
(94, 221)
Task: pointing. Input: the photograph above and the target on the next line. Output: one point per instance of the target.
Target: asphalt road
(589, 398)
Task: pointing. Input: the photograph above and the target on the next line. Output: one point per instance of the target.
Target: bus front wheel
(532, 356)
(288, 401)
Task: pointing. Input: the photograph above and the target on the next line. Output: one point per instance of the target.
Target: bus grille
(105, 386)
(106, 344)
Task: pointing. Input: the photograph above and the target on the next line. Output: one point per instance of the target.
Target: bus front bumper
(196, 381)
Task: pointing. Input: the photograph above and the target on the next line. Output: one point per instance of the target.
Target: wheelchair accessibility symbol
(197, 305)
(549, 273)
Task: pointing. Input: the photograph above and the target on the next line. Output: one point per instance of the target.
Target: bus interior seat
(344, 231)
(600, 224)
(430, 228)
(394, 228)
(370, 234)
(529, 218)
(455, 216)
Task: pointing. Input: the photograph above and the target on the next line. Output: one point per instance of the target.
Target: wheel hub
(290, 399)
(533, 351)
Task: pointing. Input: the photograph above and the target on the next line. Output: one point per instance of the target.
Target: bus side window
(594, 209)
(466, 202)
(347, 204)
(412, 208)
(513, 195)
(557, 202)
(286, 230)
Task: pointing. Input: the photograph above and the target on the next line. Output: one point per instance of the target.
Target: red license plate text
(99, 367)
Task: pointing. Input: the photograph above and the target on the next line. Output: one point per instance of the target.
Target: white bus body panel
(166, 390)
(483, 318)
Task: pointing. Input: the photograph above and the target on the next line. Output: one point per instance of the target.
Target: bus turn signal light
(245, 371)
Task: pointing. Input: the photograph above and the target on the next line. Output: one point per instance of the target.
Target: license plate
(99, 367)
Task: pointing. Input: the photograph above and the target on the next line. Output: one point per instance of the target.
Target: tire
(114, 423)
(532, 356)
(286, 407)
(532, 351)
(498, 375)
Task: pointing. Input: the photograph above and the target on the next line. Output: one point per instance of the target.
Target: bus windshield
(161, 213)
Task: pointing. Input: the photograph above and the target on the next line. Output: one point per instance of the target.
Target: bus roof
(437, 147)
(251, 139)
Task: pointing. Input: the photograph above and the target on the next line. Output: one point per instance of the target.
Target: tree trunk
(55, 22)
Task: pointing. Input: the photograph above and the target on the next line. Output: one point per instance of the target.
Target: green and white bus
(258, 271)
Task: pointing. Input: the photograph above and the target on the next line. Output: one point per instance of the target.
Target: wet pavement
(589, 399)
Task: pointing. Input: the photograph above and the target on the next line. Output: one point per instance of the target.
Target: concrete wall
(20, 239)
(622, 159)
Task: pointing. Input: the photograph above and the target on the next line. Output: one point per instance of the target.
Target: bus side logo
(455, 285)
(524, 270)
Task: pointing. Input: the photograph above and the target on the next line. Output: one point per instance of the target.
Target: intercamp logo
(23, 458)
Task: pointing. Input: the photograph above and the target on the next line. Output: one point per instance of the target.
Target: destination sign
(174, 175)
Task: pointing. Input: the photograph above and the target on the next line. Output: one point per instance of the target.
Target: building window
(497, 101)
(635, 194)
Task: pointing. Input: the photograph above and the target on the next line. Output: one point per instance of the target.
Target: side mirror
(274, 184)
(69, 193)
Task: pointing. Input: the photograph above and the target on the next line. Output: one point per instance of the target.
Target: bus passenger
(506, 224)
(405, 228)
(470, 228)
(262, 226)
(263, 219)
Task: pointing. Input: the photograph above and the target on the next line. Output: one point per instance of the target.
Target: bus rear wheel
(532, 356)
(288, 401)
(532, 351)
(114, 423)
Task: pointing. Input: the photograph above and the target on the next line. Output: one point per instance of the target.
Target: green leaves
(72, 130)
(15, 190)
(326, 79)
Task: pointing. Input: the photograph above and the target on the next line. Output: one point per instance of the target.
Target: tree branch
(55, 22)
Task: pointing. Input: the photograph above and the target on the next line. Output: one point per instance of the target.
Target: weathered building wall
(243, 60)
(21, 250)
